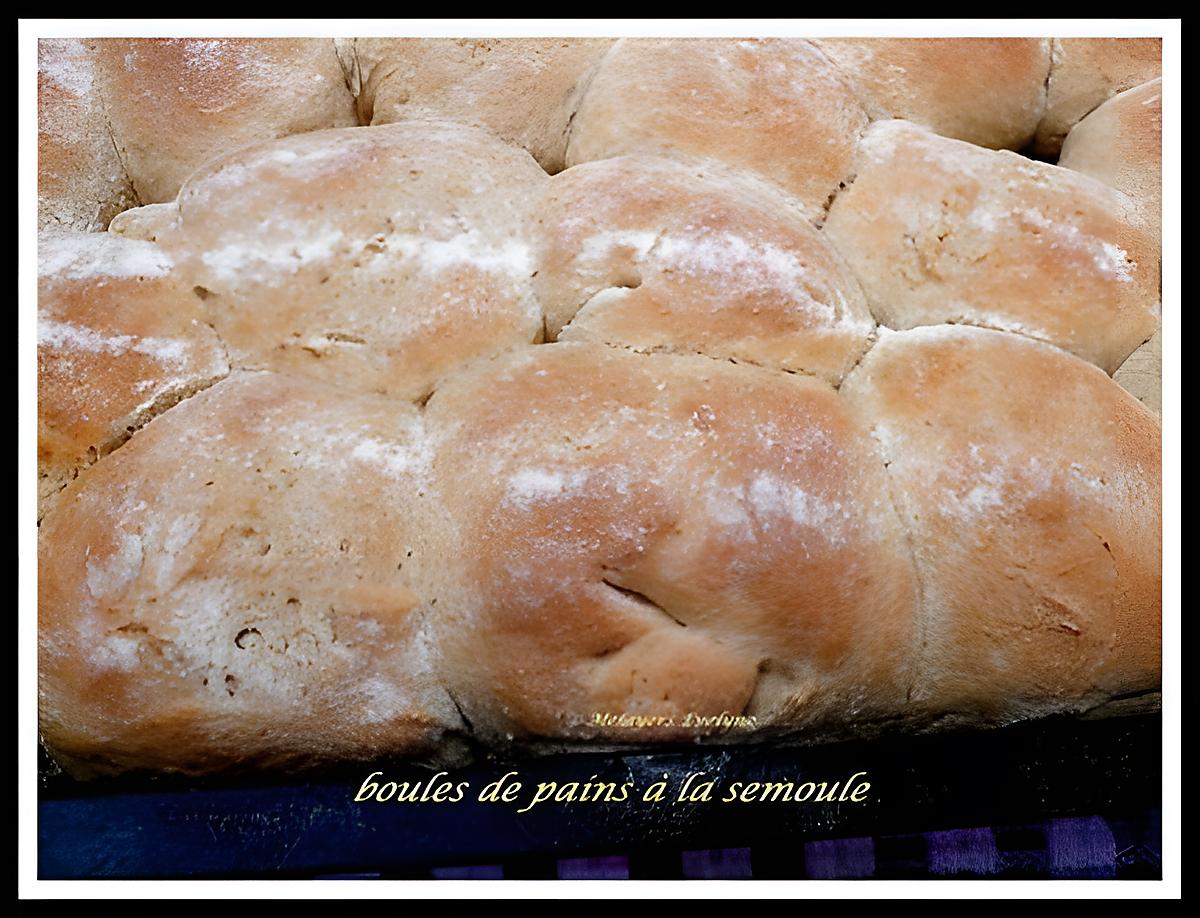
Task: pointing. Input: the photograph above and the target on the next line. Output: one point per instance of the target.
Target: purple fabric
(970, 852)
(594, 868)
(1065, 848)
(840, 859)
(1081, 849)
(717, 864)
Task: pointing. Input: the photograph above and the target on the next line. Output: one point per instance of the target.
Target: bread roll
(1120, 143)
(664, 536)
(660, 255)
(773, 106)
(120, 340)
(240, 586)
(1141, 374)
(942, 231)
(524, 89)
(82, 184)
(1037, 546)
(1084, 72)
(175, 103)
(376, 259)
(989, 91)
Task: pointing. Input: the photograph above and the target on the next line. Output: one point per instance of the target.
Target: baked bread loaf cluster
(409, 396)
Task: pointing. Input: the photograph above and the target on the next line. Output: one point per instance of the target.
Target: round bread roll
(1120, 143)
(660, 255)
(1084, 72)
(1038, 548)
(240, 586)
(665, 536)
(524, 89)
(374, 258)
(989, 91)
(774, 106)
(1141, 374)
(938, 230)
(175, 103)
(120, 340)
(82, 184)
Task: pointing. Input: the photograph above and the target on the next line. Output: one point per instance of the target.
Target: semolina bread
(1084, 73)
(941, 231)
(589, 393)
(988, 91)
(1120, 143)
(175, 103)
(776, 107)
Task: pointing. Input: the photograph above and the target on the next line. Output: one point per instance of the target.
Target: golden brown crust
(120, 339)
(82, 184)
(1086, 71)
(209, 597)
(373, 258)
(175, 103)
(1038, 549)
(773, 106)
(524, 89)
(397, 438)
(663, 255)
(1120, 143)
(989, 91)
(663, 536)
(938, 230)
